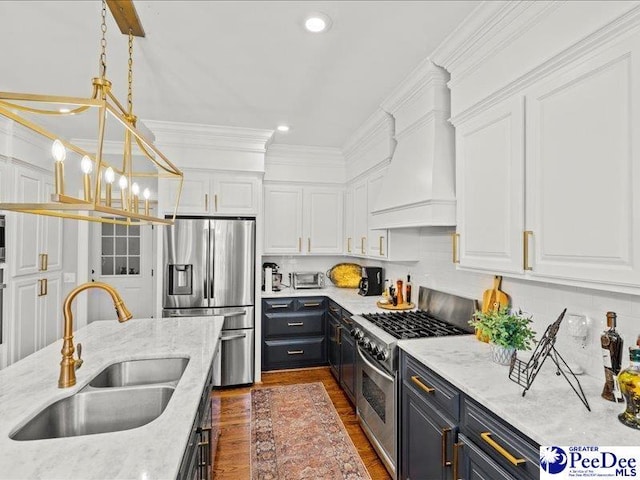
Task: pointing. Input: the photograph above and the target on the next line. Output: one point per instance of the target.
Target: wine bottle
(611, 343)
(408, 289)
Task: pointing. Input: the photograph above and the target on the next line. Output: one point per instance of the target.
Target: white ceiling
(247, 64)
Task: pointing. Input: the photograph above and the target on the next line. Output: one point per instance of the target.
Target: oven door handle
(383, 374)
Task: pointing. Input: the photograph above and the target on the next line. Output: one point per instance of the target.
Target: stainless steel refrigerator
(209, 269)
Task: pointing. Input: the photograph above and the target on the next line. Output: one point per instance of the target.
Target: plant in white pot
(507, 331)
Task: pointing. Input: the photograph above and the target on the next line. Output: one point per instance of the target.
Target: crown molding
(380, 123)
(609, 33)
(423, 76)
(282, 154)
(209, 136)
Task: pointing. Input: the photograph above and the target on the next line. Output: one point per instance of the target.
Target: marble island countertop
(152, 451)
(550, 413)
(347, 298)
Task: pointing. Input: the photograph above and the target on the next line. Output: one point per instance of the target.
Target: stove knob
(374, 350)
(361, 340)
(382, 355)
(366, 343)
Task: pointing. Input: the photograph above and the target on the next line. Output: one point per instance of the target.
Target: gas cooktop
(414, 324)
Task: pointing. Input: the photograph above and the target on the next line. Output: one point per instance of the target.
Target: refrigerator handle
(205, 234)
(210, 262)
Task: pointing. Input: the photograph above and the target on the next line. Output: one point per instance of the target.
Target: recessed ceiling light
(283, 128)
(317, 22)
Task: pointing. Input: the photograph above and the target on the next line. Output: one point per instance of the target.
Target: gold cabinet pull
(456, 448)
(46, 262)
(525, 246)
(309, 244)
(42, 267)
(40, 287)
(445, 434)
(46, 286)
(206, 202)
(486, 436)
(215, 202)
(349, 245)
(455, 239)
(362, 240)
(299, 244)
(381, 249)
(295, 324)
(311, 304)
(339, 330)
(415, 379)
(295, 352)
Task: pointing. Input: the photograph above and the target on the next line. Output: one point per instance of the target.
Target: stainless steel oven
(376, 405)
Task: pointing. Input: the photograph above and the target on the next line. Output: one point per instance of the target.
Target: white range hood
(419, 187)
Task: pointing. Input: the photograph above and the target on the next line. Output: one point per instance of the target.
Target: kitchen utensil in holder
(525, 373)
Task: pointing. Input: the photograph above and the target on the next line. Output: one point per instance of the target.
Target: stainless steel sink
(141, 372)
(97, 411)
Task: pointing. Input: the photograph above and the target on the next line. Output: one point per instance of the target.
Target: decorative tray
(391, 306)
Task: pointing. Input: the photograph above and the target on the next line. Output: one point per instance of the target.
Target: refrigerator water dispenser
(180, 279)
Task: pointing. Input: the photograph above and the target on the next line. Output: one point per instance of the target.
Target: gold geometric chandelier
(97, 204)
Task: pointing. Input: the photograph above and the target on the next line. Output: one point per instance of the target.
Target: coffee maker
(276, 278)
(371, 282)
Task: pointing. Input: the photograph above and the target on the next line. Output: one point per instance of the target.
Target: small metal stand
(525, 373)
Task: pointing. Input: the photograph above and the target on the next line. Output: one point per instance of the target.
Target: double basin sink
(123, 396)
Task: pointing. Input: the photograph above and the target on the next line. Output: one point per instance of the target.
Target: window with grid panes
(120, 249)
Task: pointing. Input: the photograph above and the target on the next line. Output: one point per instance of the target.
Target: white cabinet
(37, 313)
(490, 188)
(282, 219)
(583, 170)
(213, 193)
(303, 220)
(348, 221)
(547, 189)
(36, 239)
(380, 244)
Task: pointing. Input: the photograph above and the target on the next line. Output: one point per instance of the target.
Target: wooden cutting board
(493, 296)
(391, 306)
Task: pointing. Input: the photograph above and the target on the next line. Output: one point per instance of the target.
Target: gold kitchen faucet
(69, 365)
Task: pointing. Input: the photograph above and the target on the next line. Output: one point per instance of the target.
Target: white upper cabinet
(36, 239)
(282, 219)
(583, 170)
(490, 188)
(360, 218)
(348, 222)
(306, 220)
(213, 193)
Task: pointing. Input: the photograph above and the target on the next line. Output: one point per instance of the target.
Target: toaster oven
(307, 280)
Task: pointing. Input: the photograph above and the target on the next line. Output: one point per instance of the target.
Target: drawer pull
(311, 304)
(456, 449)
(445, 434)
(415, 379)
(295, 324)
(486, 436)
(295, 352)
(279, 305)
(334, 310)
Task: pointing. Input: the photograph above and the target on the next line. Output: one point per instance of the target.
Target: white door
(360, 218)
(377, 239)
(235, 195)
(282, 219)
(490, 188)
(122, 257)
(323, 211)
(25, 301)
(583, 152)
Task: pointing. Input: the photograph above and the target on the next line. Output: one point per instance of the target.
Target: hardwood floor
(233, 462)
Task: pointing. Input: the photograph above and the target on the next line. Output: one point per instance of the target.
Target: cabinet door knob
(525, 245)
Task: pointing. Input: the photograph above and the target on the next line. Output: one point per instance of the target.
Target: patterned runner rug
(296, 434)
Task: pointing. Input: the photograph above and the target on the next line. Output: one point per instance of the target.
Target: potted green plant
(507, 331)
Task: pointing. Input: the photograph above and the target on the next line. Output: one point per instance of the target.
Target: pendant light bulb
(109, 175)
(123, 182)
(58, 151)
(135, 189)
(86, 165)
(146, 194)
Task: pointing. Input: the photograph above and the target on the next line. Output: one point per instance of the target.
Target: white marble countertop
(550, 413)
(347, 298)
(152, 451)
